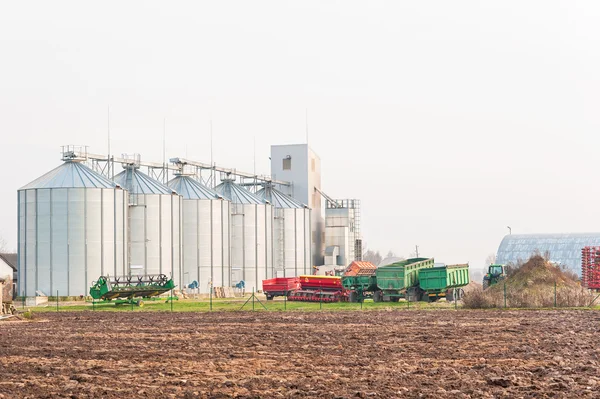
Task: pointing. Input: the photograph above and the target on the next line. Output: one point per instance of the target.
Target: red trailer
(280, 286)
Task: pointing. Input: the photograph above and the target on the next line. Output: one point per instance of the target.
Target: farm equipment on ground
(495, 274)
(444, 281)
(281, 286)
(413, 279)
(309, 288)
(130, 289)
(400, 280)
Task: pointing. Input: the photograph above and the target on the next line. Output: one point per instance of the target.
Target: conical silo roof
(70, 174)
(237, 194)
(278, 199)
(189, 188)
(137, 182)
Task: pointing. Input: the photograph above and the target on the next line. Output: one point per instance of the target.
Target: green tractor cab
(495, 274)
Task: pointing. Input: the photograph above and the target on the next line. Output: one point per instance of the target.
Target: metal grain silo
(251, 235)
(72, 230)
(154, 225)
(205, 220)
(291, 233)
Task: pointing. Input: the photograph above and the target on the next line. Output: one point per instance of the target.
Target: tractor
(495, 274)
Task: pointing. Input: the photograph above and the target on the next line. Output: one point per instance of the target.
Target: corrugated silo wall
(205, 239)
(291, 242)
(251, 244)
(154, 235)
(68, 237)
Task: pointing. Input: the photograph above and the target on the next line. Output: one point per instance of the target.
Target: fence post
(253, 299)
(505, 295)
(57, 300)
(23, 299)
(455, 300)
(171, 299)
(285, 300)
(321, 299)
(210, 296)
(554, 293)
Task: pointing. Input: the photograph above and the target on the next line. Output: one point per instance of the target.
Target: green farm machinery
(444, 281)
(413, 279)
(495, 274)
(130, 289)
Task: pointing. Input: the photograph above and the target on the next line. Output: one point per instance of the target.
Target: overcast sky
(450, 120)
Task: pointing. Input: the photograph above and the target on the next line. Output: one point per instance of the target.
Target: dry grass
(534, 284)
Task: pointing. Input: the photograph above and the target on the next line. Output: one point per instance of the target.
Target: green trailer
(360, 287)
(443, 282)
(400, 280)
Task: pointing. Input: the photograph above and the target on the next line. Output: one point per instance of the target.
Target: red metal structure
(280, 286)
(308, 288)
(590, 267)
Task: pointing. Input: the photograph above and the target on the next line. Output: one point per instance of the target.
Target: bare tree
(390, 254)
(372, 256)
(491, 259)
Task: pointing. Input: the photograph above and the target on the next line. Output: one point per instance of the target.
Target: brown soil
(431, 354)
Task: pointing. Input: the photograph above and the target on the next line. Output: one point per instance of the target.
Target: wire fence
(555, 294)
(498, 297)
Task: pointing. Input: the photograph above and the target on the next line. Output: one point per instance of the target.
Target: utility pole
(306, 121)
(164, 150)
(212, 166)
(108, 131)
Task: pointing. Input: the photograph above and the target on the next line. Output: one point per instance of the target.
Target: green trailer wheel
(353, 297)
(377, 296)
(413, 294)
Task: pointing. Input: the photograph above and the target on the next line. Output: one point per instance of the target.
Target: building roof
(10, 259)
(278, 199)
(137, 182)
(564, 249)
(189, 188)
(70, 174)
(237, 194)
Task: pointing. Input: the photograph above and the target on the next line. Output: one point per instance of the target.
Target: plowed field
(375, 354)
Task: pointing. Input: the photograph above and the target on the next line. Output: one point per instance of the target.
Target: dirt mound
(472, 286)
(536, 283)
(536, 274)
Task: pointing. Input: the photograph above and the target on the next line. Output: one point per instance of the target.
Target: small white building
(8, 269)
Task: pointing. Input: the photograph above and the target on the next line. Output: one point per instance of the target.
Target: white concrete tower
(301, 166)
